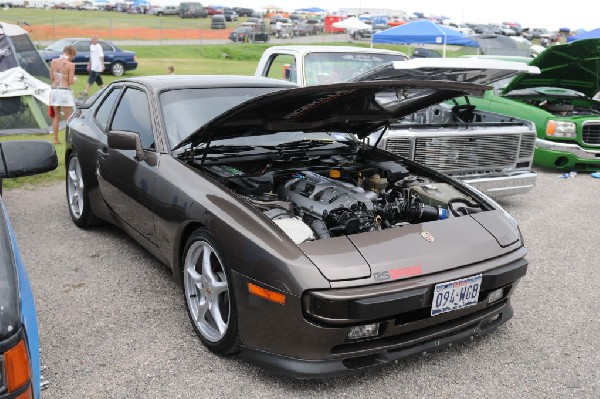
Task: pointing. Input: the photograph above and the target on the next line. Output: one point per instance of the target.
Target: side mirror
(122, 140)
(26, 157)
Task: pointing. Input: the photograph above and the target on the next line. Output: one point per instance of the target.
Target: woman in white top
(62, 74)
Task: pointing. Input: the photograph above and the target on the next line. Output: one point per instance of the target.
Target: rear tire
(117, 69)
(208, 292)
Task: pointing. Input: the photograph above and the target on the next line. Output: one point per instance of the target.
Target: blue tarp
(311, 9)
(593, 34)
(423, 32)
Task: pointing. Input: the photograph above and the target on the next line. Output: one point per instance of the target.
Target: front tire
(117, 69)
(78, 199)
(209, 295)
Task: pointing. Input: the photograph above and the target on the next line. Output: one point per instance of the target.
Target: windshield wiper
(186, 152)
(301, 145)
(230, 149)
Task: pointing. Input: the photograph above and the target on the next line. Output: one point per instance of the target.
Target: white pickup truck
(489, 151)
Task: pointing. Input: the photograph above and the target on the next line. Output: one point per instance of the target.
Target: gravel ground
(113, 323)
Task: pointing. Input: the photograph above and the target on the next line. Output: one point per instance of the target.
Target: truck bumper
(566, 156)
(502, 186)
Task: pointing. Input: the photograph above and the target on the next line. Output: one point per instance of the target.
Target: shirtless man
(62, 74)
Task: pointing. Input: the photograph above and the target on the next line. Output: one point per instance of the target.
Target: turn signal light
(551, 128)
(16, 366)
(267, 294)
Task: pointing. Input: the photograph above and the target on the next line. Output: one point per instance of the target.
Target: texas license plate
(457, 294)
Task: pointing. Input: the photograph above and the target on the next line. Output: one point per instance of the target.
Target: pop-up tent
(593, 34)
(423, 32)
(24, 88)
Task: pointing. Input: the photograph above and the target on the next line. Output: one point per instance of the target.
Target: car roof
(332, 49)
(164, 82)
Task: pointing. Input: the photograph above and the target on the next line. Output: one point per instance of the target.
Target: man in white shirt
(95, 66)
(278, 27)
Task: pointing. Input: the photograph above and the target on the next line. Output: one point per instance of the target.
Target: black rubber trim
(317, 369)
(384, 305)
(504, 275)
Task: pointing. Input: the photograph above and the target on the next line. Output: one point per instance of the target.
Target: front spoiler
(502, 186)
(456, 331)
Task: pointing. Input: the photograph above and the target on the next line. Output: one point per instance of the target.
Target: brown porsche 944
(297, 244)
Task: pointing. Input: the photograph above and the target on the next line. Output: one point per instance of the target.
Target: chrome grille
(527, 143)
(591, 133)
(399, 146)
(471, 152)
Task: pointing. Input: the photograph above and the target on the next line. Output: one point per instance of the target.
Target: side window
(83, 46)
(133, 115)
(283, 66)
(104, 110)
(106, 47)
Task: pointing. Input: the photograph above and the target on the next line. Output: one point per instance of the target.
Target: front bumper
(296, 340)
(446, 336)
(502, 186)
(552, 154)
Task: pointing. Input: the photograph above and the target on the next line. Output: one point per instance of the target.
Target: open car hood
(471, 70)
(574, 66)
(360, 108)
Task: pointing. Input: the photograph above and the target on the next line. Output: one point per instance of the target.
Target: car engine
(323, 202)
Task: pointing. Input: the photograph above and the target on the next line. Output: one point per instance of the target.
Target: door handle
(103, 152)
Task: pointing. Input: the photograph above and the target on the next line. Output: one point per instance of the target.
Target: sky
(551, 15)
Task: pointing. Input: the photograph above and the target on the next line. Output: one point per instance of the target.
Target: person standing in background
(95, 66)
(62, 74)
(170, 70)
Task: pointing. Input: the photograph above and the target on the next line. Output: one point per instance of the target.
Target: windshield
(185, 111)
(59, 45)
(325, 68)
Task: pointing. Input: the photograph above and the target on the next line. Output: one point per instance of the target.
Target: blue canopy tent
(593, 34)
(423, 32)
(311, 9)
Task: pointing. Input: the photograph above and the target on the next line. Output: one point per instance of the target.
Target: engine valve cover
(315, 194)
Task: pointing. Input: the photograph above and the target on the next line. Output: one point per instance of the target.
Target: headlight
(499, 207)
(561, 129)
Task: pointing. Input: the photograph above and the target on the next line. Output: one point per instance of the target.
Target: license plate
(457, 294)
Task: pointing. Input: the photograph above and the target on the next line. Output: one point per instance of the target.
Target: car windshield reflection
(185, 111)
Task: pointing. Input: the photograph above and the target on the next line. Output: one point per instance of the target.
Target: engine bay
(317, 197)
(566, 106)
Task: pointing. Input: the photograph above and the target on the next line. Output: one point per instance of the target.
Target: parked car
(213, 11)
(230, 15)
(319, 26)
(243, 12)
(422, 52)
(217, 21)
(268, 207)
(19, 340)
(88, 6)
(248, 33)
(560, 101)
(167, 10)
(192, 10)
(304, 29)
(116, 61)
